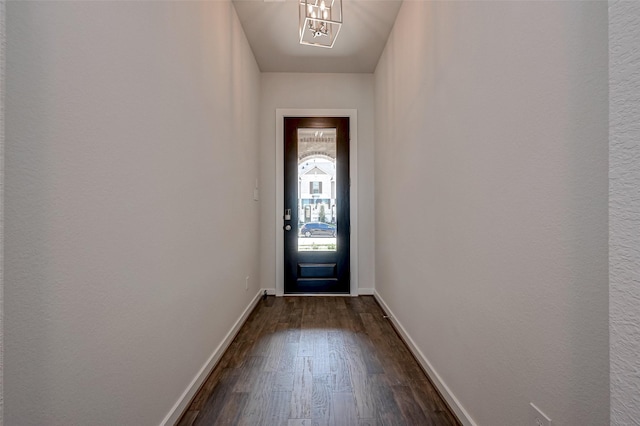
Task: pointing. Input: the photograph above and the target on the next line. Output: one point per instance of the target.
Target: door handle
(287, 227)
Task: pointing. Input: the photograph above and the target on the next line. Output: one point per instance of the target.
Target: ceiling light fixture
(320, 22)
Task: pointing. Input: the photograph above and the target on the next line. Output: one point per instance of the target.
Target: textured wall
(301, 90)
(132, 132)
(2, 68)
(491, 202)
(624, 207)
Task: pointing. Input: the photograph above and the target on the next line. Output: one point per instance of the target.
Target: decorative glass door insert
(317, 189)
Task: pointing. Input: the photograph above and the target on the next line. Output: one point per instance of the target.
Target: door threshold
(318, 294)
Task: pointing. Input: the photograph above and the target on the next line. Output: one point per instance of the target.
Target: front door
(316, 205)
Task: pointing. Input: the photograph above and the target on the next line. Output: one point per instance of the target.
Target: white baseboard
(366, 291)
(176, 411)
(444, 390)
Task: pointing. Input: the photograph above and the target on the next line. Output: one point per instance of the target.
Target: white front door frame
(281, 113)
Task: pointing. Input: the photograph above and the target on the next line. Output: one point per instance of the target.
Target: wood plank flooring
(306, 361)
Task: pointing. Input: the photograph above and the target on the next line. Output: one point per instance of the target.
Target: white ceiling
(272, 29)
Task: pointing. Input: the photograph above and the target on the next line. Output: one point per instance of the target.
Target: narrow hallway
(492, 191)
(320, 361)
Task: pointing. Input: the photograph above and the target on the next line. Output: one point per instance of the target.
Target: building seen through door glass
(317, 190)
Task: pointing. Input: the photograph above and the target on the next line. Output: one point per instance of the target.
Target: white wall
(130, 220)
(316, 91)
(491, 202)
(2, 90)
(624, 205)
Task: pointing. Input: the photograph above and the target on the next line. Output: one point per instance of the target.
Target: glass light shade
(320, 22)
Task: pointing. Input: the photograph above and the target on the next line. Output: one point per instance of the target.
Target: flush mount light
(320, 22)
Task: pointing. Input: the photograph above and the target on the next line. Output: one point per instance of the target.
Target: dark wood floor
(317, 361)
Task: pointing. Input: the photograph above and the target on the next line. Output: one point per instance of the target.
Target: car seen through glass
(318, 229)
